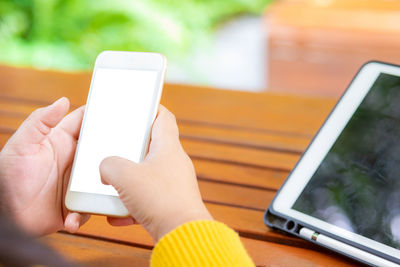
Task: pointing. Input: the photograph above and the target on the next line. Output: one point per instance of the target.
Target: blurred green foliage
(68, 34)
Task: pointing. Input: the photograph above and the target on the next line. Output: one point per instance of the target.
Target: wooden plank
(263, 253)
(321, 47)
(228, 194)
(249, 223)
(205, 168)
(234, 195)
(236, 187)
(18, 106)
(368, 16)
(271, 112)
(17, 111)
(94, 252)
(43, 86)
(240, 155)
(108, 252)
(208, 170)
(243, 137)
(267, 254)
(10, 122)
(135, 234)
(216, 151)
(237, 174)
(253, 198)
(266, 111)
(3, 138)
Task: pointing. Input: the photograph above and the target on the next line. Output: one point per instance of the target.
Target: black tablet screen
(357, 185)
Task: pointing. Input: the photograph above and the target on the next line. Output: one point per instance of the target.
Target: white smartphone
(122, 104)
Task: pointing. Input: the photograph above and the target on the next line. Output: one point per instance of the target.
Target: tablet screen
(357, 185)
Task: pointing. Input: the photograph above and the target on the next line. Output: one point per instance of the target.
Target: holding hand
(161, 192)
(35, 165)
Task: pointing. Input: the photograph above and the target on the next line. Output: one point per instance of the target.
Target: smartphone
(122, 104)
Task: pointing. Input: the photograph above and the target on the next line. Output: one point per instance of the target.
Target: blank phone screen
(116, 123)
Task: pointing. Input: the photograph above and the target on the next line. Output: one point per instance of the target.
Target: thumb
(118, 172)
(41, 121)
(165, 133)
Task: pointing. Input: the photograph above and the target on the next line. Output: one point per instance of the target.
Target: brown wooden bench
(316, 47)
(242, 144)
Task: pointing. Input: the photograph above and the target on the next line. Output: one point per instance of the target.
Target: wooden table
(242, 144)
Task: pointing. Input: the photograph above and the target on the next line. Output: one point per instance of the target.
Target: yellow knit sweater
(201, 243)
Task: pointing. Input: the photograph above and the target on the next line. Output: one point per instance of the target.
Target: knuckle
(173, 124)
(34, 115)
(37, 112)
(170, 116)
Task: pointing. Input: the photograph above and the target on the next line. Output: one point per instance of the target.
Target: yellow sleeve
(200, 243)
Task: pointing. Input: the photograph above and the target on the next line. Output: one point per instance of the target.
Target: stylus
(345, 248)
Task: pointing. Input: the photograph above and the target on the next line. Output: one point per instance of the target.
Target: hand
(161, 192)
(35, 165)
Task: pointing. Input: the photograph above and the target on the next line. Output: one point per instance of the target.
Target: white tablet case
(278, 221)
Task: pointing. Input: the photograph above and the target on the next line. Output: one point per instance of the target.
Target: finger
(164, 132)
(121, 221)
(74, 221)
(41, 121)
(71, 123)
(117, 171)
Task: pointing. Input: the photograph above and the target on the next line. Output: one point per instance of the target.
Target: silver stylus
(345, 248)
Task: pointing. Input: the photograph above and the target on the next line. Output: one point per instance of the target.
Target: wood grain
(247, 176)
(263, 157)
(248, 223)
(94, 252)
(263, 253)
(240, 155)
(283, 114)
(242, 144)
(235, 195)
(87, 251)
(243, 137)
(270, 254)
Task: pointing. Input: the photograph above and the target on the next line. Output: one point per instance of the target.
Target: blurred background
(288, 46)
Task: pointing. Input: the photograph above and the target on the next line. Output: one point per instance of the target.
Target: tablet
(344, 192)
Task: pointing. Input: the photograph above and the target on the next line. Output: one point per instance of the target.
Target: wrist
(175, 220)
